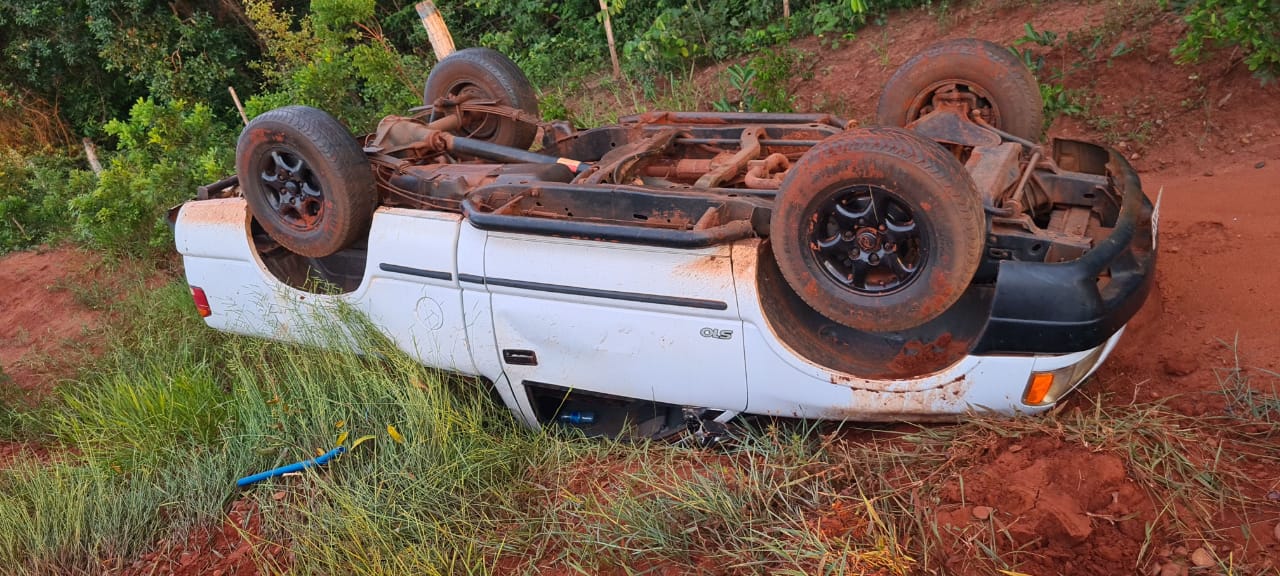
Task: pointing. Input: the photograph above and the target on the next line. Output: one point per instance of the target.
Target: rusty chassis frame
(1068, 223)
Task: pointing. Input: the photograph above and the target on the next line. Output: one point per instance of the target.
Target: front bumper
(1055, 308)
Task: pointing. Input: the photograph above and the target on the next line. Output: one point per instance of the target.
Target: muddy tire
(1004, 87)
(878, 229)
(486, 74)
(306, 179)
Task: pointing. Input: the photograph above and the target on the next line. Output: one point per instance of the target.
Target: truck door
(644, 322)
(412, 293)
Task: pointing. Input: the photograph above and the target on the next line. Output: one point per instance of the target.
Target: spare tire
(486, 74)
(1006, 91)
(306, 180)
(878, 229)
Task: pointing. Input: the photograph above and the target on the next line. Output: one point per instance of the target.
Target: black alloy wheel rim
(292, 191)
(868, 240)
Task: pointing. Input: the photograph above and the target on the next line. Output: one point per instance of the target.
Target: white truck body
(682, 327)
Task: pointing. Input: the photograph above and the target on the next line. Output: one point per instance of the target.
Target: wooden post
(437, 31)
(91, 154)
(786, 8)
(239, 106)
(608, 33)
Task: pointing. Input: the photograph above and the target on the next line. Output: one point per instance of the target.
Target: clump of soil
(236, 548)
(1066, 509)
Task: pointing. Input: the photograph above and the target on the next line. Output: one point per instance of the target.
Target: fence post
(608, 33)
(437, 32)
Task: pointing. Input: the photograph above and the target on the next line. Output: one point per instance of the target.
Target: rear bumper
(1055, 308)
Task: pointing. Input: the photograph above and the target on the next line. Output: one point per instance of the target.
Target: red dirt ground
(40, 319)
(1196, 131)
(234, 549)
(11, 452)
(1203, 133)
(1070, 510)
(42, 330)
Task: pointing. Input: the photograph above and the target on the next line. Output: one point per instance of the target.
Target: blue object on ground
(295, 467)
(578, 418)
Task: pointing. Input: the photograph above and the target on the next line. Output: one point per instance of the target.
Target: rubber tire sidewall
(1012, 87)
(498, 77)
(921, 174)
(340, 167)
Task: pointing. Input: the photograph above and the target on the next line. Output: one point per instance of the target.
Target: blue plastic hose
(295, 467)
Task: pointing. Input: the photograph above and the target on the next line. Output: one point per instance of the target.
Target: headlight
(1048, 387)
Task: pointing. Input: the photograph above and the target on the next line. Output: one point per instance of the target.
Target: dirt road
(1218, 274)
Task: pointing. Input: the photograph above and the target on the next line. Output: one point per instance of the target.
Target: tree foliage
(1251, 25)
(147, 78)
(165, 151)
(34, 194)
(336, 58)
(92, 58)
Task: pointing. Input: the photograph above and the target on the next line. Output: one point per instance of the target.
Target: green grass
(153, 436)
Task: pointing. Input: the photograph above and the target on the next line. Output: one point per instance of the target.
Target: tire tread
(954, 184)
(353, 196)
(1017, 79)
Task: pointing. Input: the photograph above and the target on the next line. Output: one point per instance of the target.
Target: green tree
(336, 58)
(165, 151)
(91, 59)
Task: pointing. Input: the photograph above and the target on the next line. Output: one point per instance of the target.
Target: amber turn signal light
(1041, 383)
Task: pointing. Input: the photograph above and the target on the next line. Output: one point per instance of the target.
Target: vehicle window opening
(602, 415)
(338, 273)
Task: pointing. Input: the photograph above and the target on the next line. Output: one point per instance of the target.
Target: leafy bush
(1058, 99)
(34, 191)
(336, 59)
(1252, 25)
(665, 45)
(165, 152)
(764, 84)
(554, 40)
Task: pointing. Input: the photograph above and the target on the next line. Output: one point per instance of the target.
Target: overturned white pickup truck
(623, 277)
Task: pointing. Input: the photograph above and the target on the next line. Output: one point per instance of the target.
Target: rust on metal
(767, 174)
(950, 126)
(749, 150)
(665, 156)
(994, 169)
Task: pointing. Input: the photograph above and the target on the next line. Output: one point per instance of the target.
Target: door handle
(520, 357)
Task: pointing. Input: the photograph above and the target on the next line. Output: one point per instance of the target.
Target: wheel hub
(868, 241)
(966, 98)
(292, 192)
(481, 126)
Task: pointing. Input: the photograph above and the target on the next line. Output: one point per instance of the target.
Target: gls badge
(717, 333)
